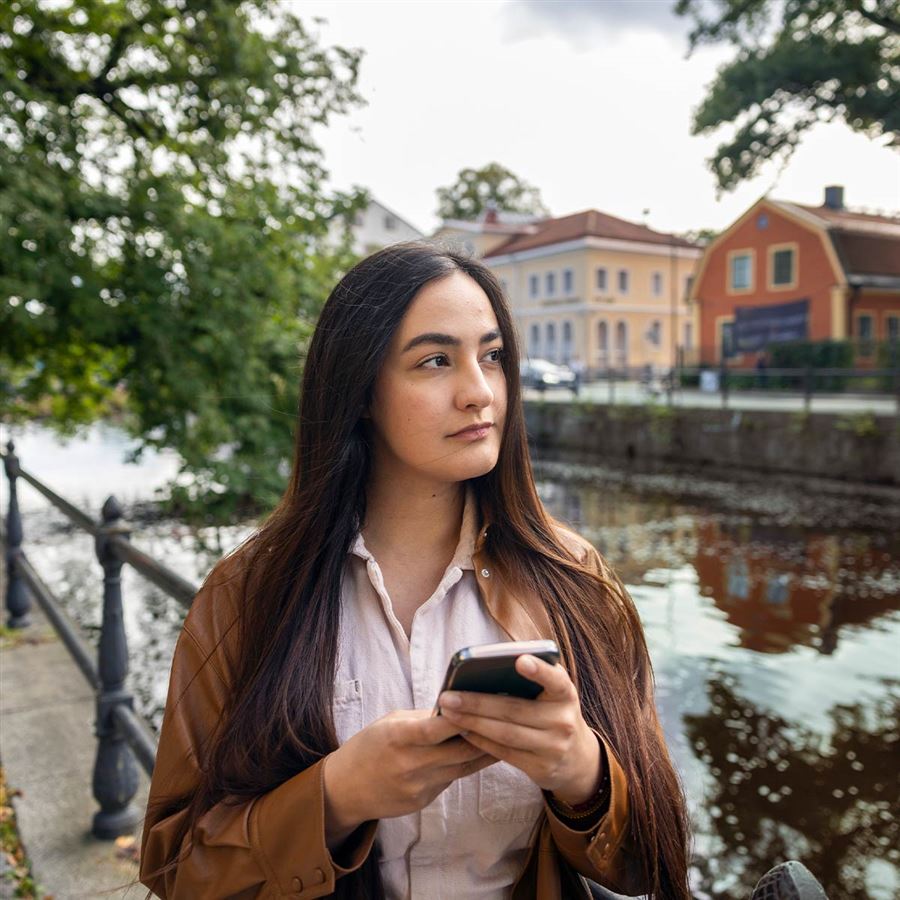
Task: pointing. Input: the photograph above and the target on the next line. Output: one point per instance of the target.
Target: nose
(473, 391)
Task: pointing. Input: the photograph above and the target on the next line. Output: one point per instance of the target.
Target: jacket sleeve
(601, 852)
(269, 846)
(604, 852)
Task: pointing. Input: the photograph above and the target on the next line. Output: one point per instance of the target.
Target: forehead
(454, 305)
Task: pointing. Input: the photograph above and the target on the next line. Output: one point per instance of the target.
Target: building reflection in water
(775, 649)
(782, 589)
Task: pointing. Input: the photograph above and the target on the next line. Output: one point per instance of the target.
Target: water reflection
(783, 588)
(775, 650)
(778, 790)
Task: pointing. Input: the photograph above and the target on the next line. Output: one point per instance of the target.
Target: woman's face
(442, 374)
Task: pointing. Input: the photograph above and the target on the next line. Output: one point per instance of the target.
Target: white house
(375, 227)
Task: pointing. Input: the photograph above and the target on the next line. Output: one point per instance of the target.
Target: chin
(475, 466)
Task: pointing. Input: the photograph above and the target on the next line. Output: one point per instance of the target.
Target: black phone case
(495, 676)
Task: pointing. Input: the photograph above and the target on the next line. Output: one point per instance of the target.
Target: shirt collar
(470, 539)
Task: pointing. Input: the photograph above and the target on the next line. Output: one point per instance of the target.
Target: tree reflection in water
(773, 796)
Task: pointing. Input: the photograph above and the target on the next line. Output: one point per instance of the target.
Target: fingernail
(528, 664)
(450, 700)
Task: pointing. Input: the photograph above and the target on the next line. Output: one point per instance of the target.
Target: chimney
(490, 214)
(834, 196)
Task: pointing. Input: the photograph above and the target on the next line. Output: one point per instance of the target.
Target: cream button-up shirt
(472, 840)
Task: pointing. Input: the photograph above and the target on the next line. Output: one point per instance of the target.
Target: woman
(298, 756)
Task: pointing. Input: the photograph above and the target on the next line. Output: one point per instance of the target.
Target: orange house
(784, 272)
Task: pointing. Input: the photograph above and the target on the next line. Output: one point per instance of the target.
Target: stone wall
(854, 447)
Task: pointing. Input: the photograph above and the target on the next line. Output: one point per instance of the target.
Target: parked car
(542, 374)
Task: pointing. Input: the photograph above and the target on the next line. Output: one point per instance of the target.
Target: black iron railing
(123, 737)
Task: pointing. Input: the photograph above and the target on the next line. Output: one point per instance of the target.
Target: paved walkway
(630, 393)
(47, 749)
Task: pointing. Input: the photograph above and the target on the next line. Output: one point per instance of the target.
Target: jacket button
(319, 876)
(297, 884)
(486, 573)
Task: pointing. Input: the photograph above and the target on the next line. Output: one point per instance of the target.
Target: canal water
(771, 608)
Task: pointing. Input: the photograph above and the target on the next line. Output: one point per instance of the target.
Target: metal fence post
(723, 383)
(18, 603)
(611, 376)
(807, 388)
(115, 772)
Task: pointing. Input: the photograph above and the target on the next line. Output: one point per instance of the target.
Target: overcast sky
(588, 101)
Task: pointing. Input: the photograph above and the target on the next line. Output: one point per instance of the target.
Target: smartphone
(491, 669)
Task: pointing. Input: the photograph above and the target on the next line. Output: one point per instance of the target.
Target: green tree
(798, 62)
(475, 190)
(164, 225)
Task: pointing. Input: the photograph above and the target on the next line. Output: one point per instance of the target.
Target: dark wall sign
(755, 327)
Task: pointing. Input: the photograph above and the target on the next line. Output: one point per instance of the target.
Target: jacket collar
(521, 614)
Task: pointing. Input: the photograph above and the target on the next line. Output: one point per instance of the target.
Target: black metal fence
(123, 737)
(806, 382)
(684, 386)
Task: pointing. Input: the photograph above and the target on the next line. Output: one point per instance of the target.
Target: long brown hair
(279, 718)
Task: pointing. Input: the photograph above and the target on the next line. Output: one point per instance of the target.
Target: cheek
(407, 411)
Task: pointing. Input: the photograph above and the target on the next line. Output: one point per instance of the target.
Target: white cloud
(607, 127)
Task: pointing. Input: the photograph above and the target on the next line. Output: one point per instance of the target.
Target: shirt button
(485, 573)
(297, 885)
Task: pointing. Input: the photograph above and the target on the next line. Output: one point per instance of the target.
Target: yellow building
(598, 292)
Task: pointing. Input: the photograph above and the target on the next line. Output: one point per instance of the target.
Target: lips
(480, 426)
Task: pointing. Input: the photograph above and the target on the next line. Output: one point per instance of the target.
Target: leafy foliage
(797, 62)
(164, 225)
(493, 185)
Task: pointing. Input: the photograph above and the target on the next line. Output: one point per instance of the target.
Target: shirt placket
(428, 661)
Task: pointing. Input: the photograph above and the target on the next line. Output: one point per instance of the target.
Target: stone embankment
(857, 447)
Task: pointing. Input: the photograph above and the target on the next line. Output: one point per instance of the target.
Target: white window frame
(550, 283)
(534, 340)
(603, 343)
(567, 341)
(550, 341)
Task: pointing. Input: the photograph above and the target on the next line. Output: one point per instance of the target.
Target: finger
(470, 767)
(507, 734)
(521, 759)
(492, 706)
(422, 729)
(451, 752)
(554, 679)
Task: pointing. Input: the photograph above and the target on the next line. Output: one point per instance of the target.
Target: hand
(393, 767)
(547, 738)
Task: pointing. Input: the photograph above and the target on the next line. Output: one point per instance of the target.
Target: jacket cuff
(593, 851)
(278, 829)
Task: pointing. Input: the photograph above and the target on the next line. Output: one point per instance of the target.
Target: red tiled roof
(867, 244)
(848, 219)
(590, 223)
(867, 253)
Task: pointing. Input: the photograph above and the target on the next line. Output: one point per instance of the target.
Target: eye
(426, 363)
(495, 355)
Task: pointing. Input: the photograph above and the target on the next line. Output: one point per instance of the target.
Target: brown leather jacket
(274, 845)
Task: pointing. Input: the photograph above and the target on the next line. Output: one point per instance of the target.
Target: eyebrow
(447, 340)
